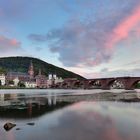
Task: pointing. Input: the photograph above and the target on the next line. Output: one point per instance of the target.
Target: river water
(39, 116)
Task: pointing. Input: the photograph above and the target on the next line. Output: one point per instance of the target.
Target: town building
(41, 80)
(31, 70)
(11, 76)
(53, 80)
(21, 76)
(16, 81)
(31, 84)
(30, 80)
(2, 79)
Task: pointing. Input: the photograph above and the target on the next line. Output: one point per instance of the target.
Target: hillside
(21, 64)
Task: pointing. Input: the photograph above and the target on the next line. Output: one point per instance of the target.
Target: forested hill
(21, 64)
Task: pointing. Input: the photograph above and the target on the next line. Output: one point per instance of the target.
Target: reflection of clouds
(88, 125)
(85, 122)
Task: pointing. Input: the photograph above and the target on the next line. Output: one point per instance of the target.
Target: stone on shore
(31, 123)
(8, 126)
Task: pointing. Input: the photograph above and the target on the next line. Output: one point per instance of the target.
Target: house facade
(2, 79)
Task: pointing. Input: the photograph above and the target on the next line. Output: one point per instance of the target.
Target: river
(39, 116)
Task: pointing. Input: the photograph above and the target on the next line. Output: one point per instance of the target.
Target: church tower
(39, 73)
(31, 70)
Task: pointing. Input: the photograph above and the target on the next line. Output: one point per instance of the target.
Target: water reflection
(42, 117)
(24, 106)
(94, 121)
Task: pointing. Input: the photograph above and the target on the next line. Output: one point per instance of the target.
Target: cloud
(122, 31)
(37, 37)
(85, 41)
(8, 45)
(116, 73)
(133, 63)
(38, 49)
(91, 44)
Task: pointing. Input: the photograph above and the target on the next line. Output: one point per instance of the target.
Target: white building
(2, 79)
(53, 79)
(58, 80)
(30, 84)
(16, 81)
(50, 76)
(55, 76)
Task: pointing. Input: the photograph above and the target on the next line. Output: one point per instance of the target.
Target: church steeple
(39, 73)
(31, 70)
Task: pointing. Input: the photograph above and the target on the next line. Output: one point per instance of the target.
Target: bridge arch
(134, 83)
(78, 84)
(94, 84)
(116, 84)
(64, 85)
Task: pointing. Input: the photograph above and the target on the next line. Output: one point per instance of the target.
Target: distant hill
(21, 64)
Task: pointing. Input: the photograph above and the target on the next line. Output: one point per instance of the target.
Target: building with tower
(31, 70)
(11, 76)
(41, 80)
(53, 79)
(2, 79)
(30, 80)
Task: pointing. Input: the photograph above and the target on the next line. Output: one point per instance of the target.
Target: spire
(31, 64)
(39, 73)
(31, 70)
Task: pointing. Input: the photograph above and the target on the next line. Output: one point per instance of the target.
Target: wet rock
(31, 123)
(18, 129)
(8, 126)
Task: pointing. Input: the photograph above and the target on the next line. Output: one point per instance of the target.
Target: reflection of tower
(30, 109)
(31, 70)
(49, 101)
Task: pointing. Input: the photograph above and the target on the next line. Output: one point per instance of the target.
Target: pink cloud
(7, 44)
(122, 31)
(14, 42)
(87, 41)
(137, 31)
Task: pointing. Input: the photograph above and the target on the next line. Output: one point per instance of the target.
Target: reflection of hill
(26, 112)
(15, 106)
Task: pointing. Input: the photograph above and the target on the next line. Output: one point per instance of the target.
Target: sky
(94, 38)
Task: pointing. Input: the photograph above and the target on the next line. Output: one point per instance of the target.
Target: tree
(11, 82)
(21, 84)
(2, 71)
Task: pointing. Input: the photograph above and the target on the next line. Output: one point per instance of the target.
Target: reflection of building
(2, 79)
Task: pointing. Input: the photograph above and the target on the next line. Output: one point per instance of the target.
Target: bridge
(127, 83)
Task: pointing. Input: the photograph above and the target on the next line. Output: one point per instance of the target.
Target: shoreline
(77, 95)
(105, 96)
